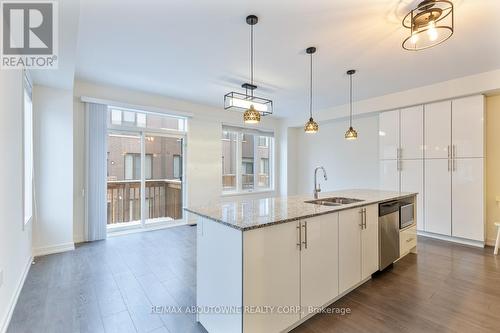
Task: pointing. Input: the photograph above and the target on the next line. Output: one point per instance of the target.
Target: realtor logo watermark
(29, 34)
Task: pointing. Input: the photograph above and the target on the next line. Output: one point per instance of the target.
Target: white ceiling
(199, 50)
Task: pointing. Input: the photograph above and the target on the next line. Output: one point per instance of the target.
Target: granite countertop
(247, 214)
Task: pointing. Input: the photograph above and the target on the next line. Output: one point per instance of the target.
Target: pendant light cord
(311, 89)
(350, 100)
(251, 57)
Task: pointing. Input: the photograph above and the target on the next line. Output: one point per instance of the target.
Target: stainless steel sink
(334, 201)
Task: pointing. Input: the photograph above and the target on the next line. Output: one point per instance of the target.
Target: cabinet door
(468, 199)
(437, 197)
(369, 243)
(271, 276)
(437, 129)
(319, 261)
(468, 126)
(389, 175)
(412, 180)
(412, 132)
(349, 248)
(389, 135)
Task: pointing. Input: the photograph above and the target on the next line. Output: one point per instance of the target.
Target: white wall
(15, 243)
(349, 164)
(53, 110)
(483, 83)
(204, 147)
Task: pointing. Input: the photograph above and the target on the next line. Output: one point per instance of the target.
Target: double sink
(333, 201)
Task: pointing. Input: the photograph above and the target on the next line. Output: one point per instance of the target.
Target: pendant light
(351, 133)
(254, 107)
(311, 126)
(430, 24)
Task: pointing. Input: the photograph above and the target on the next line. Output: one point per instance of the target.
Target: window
(139, 119)
(133, 166)
(28, 150)
(252, 151)
(177, 166)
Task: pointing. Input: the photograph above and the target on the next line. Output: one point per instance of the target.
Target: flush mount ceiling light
(351, 133)
(311, 126)
(254, 106)
(430, 24)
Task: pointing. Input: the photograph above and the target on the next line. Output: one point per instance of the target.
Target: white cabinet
(412, 133)
(438, 196)
(468, 203)
(412, 180)
(389, 135)
(319, 261)
(437, 129)
(358, 245)
(389, 175)
(369, 242)
(349, 248)
(271, 275)
(468, 127)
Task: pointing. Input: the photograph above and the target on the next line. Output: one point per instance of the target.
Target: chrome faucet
(317, 187)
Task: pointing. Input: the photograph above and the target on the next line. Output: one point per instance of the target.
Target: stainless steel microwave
(406, 215)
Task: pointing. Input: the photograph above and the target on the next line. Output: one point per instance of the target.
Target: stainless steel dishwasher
(388, 231)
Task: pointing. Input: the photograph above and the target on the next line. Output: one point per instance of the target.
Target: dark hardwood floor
(444, 288)
(111, 286)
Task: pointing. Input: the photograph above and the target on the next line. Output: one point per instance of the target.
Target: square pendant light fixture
(253, 107)
(243, 101)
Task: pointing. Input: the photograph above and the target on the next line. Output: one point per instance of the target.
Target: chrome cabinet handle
(361, 224)
(409, 240)
(454, 152)
(305, 234)
(299, 244)
(364, 214)
(449, 151)
(449, 162)
(454, 164)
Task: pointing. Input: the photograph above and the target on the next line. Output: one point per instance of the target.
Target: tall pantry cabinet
(454, 168)
(437, 150)
(401, 140)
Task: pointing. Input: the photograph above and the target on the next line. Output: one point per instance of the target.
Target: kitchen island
(267, 265)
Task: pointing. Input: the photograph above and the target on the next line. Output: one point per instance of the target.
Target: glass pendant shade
(311, 126)
(430, 24)
(351, 134)
(251, 116)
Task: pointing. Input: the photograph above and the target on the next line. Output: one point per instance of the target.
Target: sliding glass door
(164, 184)
(145, 169)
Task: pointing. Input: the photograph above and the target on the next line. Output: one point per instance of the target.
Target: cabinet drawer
(407, 240)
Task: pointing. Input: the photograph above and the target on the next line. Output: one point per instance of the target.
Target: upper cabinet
(412, 133)
(438, 130)
(468, 127)
(402, 134)
(389, 135)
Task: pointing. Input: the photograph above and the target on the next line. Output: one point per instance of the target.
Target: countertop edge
(268, 224)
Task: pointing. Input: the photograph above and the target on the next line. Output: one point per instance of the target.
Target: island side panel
(219, 276)
(271, 278)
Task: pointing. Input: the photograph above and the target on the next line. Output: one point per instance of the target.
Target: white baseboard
(4, 325)
(41, 251)
(452, 239)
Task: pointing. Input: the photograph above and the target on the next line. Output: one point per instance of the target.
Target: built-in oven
(406, 215)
